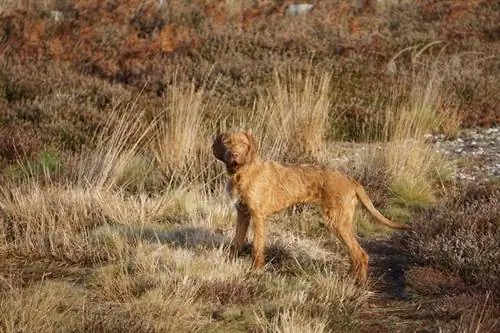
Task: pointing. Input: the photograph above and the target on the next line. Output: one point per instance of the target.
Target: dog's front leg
(242, 222)
(259, 239)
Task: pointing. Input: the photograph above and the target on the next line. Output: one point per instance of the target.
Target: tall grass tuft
(406, 159)
(325, 302)
(182, 134)
(292, 118)
(117, 147)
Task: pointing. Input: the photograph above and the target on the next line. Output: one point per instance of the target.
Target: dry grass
(291, 118)
(143, 268)
(132, 235)
(22, 308)
(295, 113)
(325, 302)
(182, 131)
(112, 163)
(146, 258)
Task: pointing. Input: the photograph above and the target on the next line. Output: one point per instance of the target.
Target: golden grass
(292, 118)
(116, 152)
(44, 307)
(131, 233)
(182, 133)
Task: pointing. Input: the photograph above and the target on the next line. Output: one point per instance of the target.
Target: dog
(263, 188)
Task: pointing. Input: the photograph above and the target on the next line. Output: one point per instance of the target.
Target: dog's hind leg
(340, 221)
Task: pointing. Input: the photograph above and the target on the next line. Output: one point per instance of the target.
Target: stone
(299, 9)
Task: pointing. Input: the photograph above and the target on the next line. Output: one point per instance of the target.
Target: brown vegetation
(136, 44)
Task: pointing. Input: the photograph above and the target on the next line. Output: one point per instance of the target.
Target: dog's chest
(238, 188)
(233, 191)
(241, 187)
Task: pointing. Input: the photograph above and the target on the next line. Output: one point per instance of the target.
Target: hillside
(88, 55)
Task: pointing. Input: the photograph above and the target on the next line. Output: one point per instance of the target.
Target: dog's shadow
(279, 258)
(181, 237)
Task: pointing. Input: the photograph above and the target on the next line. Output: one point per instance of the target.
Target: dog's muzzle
(232, 166)
(231, 163)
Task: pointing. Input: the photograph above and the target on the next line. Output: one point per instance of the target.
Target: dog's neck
(244, 168)
(241, 179)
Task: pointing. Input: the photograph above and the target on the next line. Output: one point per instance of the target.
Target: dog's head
(235, 149)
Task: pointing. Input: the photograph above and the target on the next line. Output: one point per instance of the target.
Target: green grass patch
(412, 193)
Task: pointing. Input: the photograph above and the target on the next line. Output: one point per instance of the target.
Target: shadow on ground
(183, 237)
(386, 267)
(279, 258)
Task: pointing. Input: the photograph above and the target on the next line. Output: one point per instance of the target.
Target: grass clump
(335, 301)
(182, 132)
(118, 144)
(297, 109)
(61, 302)
(412, 194)
(291, 117)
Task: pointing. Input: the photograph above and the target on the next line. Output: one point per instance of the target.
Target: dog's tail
(365, 200)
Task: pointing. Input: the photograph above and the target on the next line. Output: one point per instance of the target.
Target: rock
(56, 15)
(299, 9)
(392, 69)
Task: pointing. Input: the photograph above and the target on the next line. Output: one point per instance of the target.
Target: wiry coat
(267, 187)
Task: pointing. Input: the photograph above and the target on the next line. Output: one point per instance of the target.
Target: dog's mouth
(232, 166)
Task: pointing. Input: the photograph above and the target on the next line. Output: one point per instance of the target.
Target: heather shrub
(460, 235)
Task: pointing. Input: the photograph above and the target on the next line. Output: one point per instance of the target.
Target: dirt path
(393, 307)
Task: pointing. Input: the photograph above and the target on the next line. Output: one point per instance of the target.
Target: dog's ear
(254, 146)
(218, 148)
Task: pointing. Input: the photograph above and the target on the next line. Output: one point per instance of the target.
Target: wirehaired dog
(263, 188)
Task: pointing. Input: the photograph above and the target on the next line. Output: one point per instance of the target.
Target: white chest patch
(232, 192)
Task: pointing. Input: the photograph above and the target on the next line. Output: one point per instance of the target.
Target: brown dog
(266, 187)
